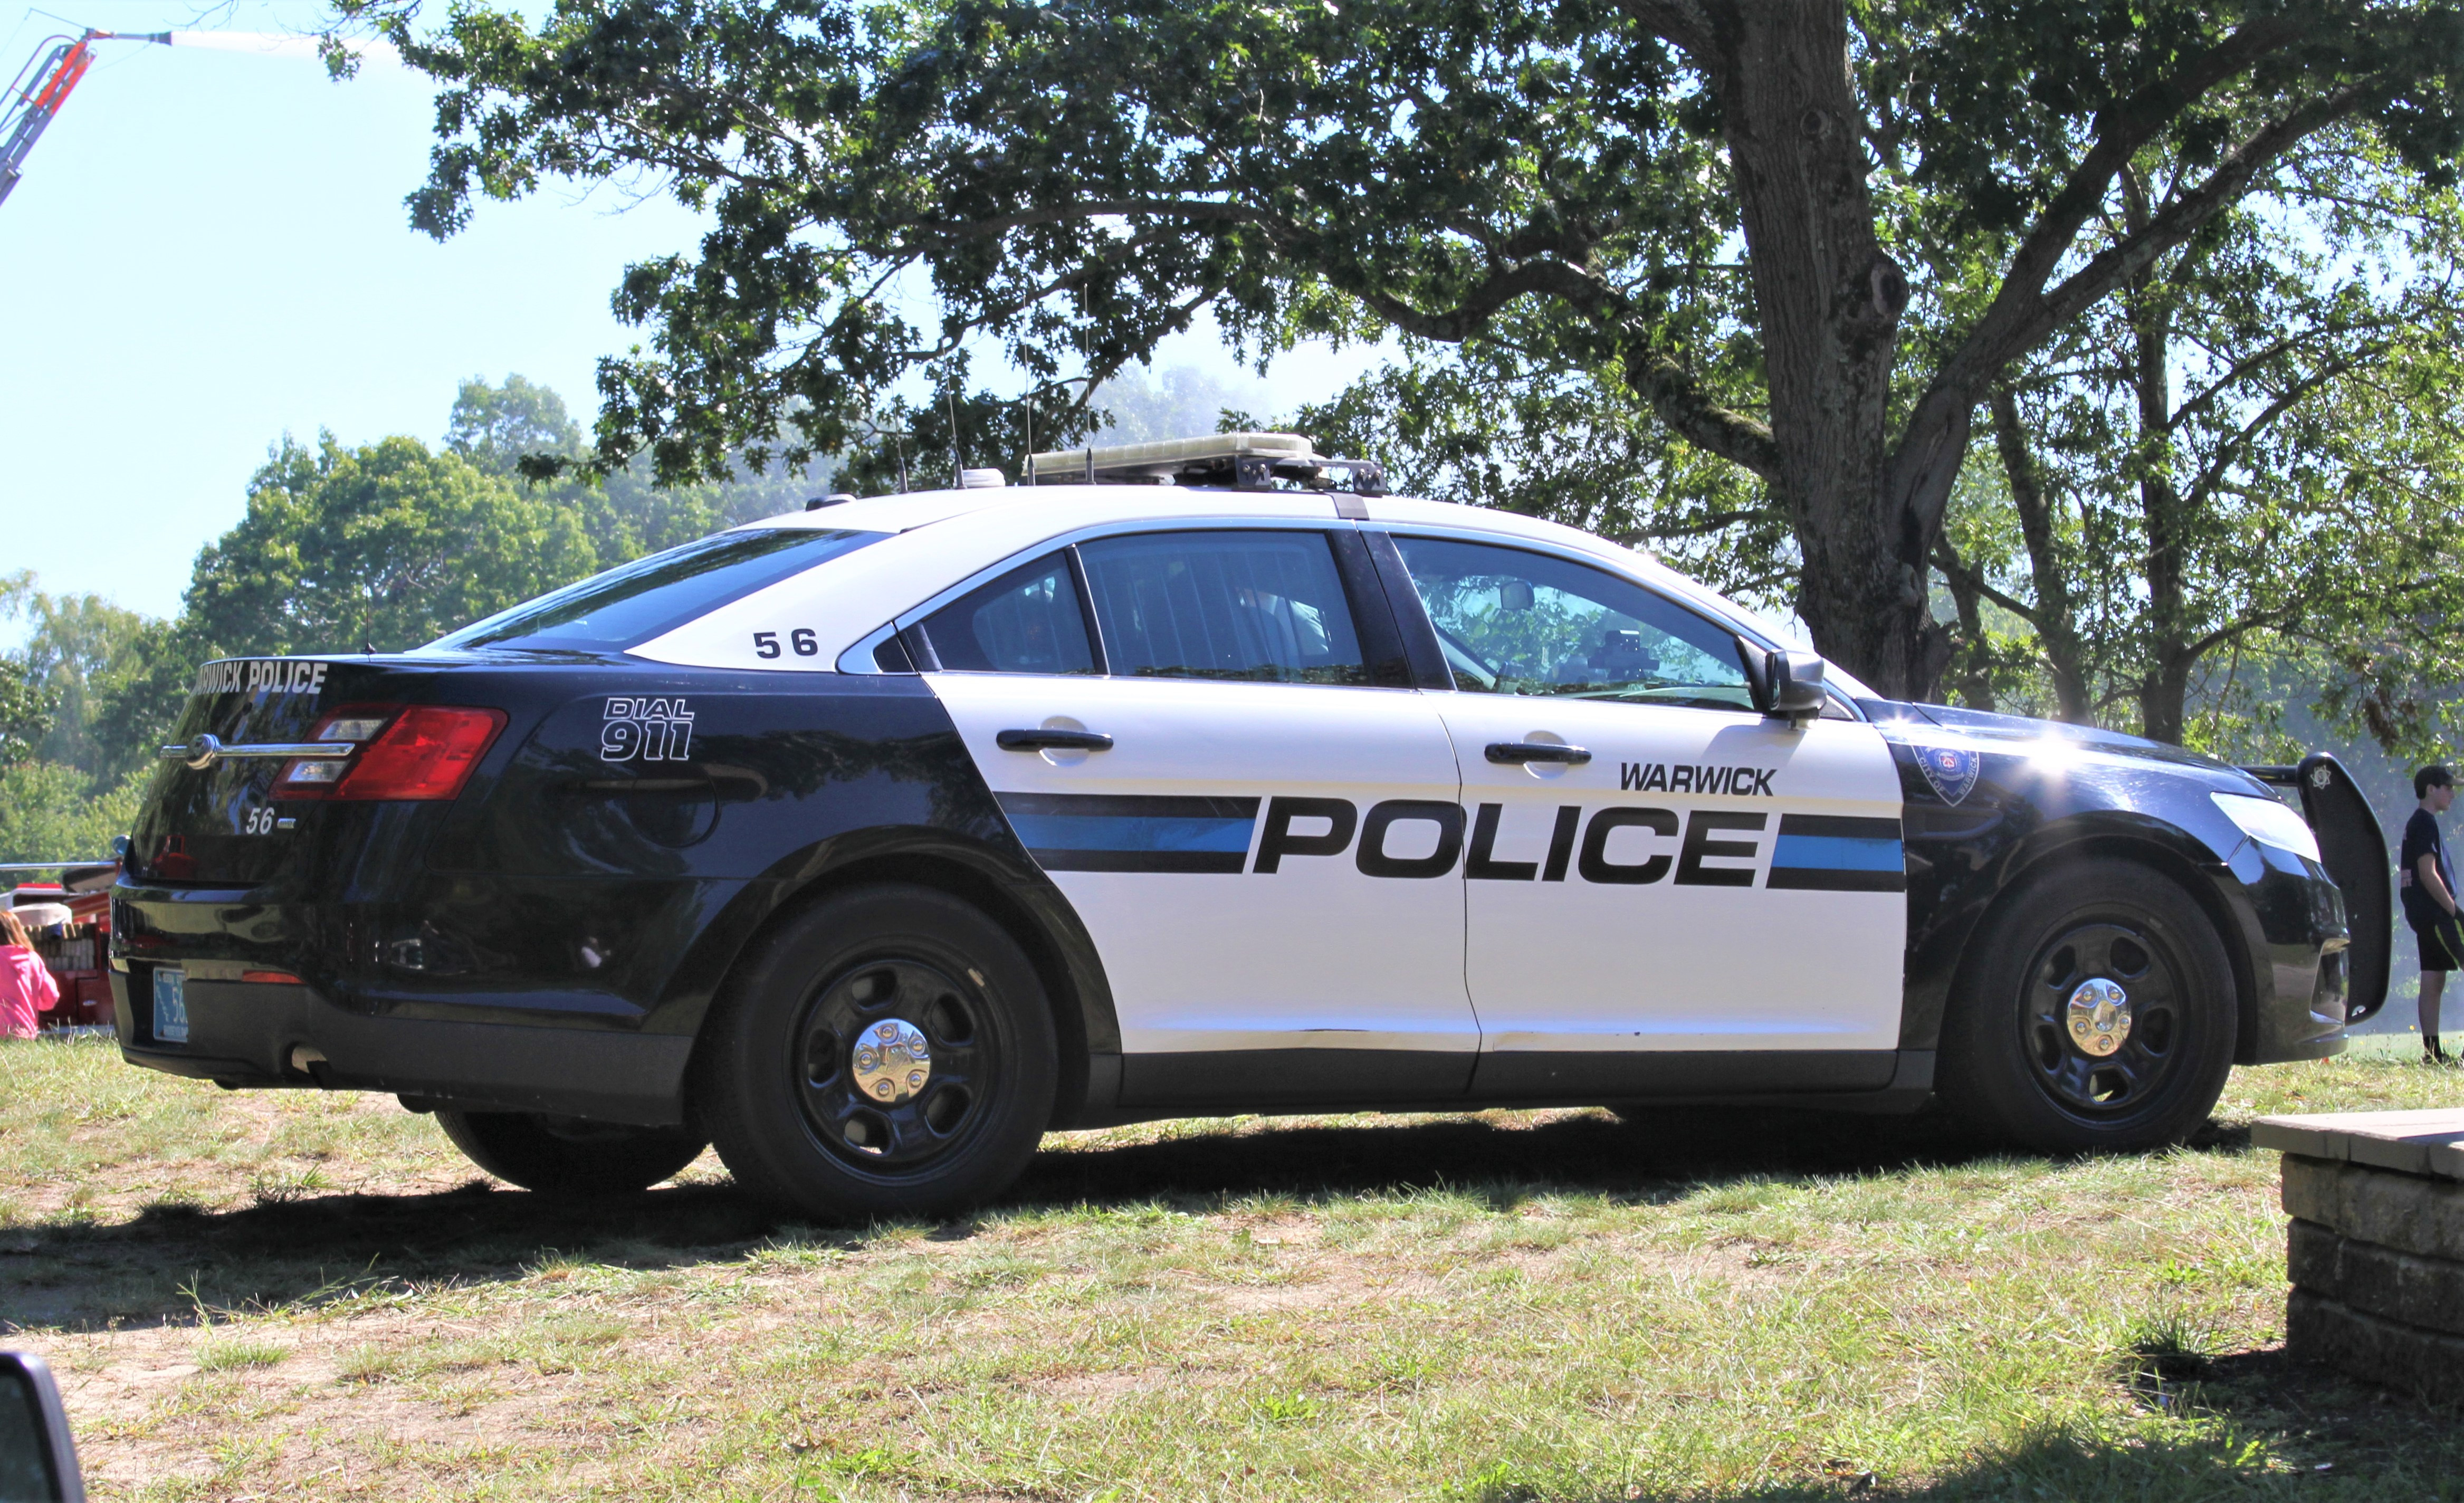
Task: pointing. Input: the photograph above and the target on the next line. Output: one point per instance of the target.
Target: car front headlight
(2268, 823)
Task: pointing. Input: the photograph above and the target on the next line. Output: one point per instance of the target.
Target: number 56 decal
(765, 643)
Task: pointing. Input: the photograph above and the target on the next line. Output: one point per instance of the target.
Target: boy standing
(2428, 883)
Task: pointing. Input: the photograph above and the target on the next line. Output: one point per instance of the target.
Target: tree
(25, 713)
(49, 814)
(1074, 181)
(53, 806)
(1487, 424)
(76, 643)
(2233, 487)
(382, 547)
(520, 431)
(136, 706)
(2247, 456)
(496, 427)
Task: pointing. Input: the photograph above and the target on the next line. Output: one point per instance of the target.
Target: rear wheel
(890, 1053)
(2095, 1011)
(569, 1157)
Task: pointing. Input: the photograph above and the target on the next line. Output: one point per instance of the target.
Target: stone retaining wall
(2376, 1249)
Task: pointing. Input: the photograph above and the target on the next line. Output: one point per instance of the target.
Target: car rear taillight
(423, 752)
(429, 753)
(353, 726)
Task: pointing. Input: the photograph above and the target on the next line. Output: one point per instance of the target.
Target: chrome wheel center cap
(2100, 1016)
(891, 1062)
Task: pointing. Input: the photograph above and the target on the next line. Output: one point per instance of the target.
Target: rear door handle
(1537, 751)
(1040, 740)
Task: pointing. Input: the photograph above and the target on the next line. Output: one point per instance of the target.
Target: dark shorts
(2442, 945)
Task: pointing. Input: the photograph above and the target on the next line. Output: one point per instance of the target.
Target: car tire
(2095, 1011)
(565, 1156)
(812, 1082)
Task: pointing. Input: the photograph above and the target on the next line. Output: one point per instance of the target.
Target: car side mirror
(38, 1460)
(1787, 686)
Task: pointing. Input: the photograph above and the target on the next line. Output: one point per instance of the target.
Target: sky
(209, 250)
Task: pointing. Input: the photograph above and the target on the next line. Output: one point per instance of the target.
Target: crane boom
(41, 87)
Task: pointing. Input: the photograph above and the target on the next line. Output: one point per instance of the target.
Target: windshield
(634, 602)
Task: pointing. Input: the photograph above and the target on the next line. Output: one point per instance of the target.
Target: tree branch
(2391, 318)
(1676, 401)
(2121, 132)
(1467, 317)
(1697, 526)
(1193, 208)
(1679, 23)
(2232, 448)
(1973, 578)
(2257, 621)
(2019, 319)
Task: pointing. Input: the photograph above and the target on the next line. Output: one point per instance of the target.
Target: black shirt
(2421, 839)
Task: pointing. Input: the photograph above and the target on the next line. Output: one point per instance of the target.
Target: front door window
(1516, 623)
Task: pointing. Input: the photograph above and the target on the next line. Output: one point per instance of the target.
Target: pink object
(25, 989)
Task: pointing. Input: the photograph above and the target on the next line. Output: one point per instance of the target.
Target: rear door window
(634, 602)
(1258, 606)
(1028, 620)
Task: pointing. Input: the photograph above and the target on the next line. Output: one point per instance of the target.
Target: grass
(216, 1355)
(314, 1294)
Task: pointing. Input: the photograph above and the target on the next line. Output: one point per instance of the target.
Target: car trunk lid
(210, 816)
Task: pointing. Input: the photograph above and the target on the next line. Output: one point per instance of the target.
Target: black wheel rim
(2079, 1074)
(850, 1010)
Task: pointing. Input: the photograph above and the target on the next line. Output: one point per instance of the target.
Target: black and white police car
(873, 841)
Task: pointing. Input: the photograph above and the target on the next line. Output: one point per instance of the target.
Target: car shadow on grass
(308, 1247)
(174, 1260)
(1645, 1155)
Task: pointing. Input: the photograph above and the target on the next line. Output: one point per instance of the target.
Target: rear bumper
(243, 1034)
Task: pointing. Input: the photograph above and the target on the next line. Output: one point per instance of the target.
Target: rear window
(634, 602)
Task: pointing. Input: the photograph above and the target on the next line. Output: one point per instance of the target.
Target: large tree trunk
(1829, 302)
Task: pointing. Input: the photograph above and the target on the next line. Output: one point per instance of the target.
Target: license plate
(171, 1007)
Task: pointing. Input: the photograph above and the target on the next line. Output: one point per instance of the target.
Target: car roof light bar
(1240, 461)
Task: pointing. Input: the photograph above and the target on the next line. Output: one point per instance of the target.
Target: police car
(870, 843)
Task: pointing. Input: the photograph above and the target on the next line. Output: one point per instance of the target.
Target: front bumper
(2295, 949)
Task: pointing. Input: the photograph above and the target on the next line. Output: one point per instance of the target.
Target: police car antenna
(958, 460)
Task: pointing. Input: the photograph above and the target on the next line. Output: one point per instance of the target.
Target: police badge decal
(1950, 770)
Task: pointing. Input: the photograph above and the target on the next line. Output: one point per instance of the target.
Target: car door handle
(1537, 751)
(1040, 740)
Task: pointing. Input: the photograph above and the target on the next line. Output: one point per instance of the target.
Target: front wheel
(888, 1052)
(566, 1156)
(2096, 1012)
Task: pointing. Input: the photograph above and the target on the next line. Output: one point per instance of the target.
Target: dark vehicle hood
(1898, 719)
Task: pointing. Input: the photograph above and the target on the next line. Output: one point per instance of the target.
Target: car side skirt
(1284, 1080)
